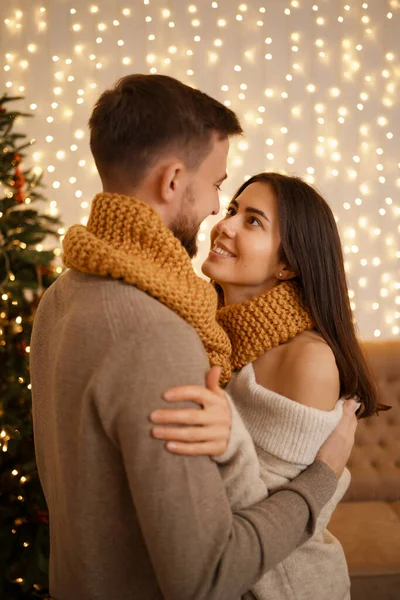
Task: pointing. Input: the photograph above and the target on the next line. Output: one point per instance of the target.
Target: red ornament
(42, 516)
(46, 271)
(19, 180)
(22, 347)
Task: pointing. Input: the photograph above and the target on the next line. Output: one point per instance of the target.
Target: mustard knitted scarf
(126, 239)
(264, 322)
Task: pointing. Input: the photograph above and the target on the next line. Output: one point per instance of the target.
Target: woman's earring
(280, 274)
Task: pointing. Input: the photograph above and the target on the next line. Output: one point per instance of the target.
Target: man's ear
(173, 181)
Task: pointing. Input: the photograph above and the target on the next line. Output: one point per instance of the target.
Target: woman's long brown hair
(310, 246)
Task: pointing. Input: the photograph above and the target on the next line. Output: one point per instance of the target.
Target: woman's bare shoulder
(309, 372)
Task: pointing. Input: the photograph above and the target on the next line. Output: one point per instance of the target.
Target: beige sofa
(367, 522)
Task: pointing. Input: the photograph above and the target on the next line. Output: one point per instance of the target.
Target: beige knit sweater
(287, 437)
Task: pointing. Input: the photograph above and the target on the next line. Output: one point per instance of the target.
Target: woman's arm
(239, 466)
(217, 430)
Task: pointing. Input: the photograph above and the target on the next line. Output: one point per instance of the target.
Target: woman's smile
(218, 250)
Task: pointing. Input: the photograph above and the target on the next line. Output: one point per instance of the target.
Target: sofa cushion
(370, 535)
(375, 461)
(375, 587)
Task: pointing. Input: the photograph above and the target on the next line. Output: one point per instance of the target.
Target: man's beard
(184, 227)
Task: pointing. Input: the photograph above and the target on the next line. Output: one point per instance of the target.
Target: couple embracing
(192, 436)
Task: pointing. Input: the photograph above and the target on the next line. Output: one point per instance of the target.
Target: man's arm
(199, 548)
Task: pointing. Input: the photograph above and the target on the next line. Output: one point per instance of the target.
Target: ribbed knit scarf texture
(126, 239)
(264, 322)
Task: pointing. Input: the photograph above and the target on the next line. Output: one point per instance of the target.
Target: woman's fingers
(194, 393)
(214, 448)
(183, 416)
(203, 432)
(190, 434)
(212, 378)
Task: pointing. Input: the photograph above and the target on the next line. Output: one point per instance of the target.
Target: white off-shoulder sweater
(286, 437)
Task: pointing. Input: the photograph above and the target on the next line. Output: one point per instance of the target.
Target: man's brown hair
(143, 116)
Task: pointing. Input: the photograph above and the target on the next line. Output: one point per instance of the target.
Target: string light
(177, 43)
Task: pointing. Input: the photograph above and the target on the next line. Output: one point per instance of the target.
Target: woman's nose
(226, 226)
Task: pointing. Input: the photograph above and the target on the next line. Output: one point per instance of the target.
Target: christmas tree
(26, 270)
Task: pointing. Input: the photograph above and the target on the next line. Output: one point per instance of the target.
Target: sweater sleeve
(239, 466)
(199, 548)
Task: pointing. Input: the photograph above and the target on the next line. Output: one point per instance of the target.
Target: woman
(277, 263)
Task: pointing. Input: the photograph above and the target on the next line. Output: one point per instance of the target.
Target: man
(128, 321)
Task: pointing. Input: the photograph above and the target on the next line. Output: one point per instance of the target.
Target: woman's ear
(285, 273)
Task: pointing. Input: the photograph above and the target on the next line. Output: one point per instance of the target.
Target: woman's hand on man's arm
(197, 432)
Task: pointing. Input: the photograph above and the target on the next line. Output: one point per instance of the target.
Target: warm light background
(316, 87)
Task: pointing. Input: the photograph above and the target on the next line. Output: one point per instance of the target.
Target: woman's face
(245, 244)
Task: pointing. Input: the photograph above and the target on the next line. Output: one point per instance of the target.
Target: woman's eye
(218, 186)
(254, 221)
(229, 212)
